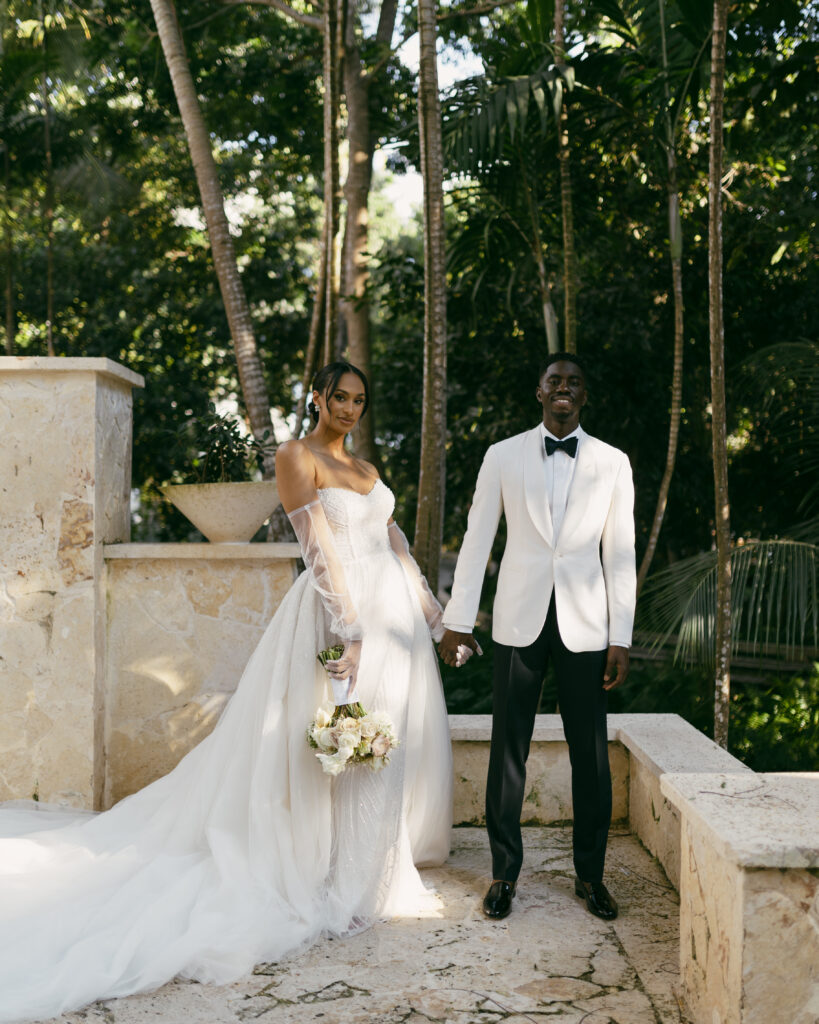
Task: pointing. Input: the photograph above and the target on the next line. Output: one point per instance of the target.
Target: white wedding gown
(246, 851)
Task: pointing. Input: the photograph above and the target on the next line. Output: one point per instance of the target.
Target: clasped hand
(343, 672)
(449, 648)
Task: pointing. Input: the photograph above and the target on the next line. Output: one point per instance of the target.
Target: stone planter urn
(226, 513)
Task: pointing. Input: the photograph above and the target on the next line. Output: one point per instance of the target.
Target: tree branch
(466, 12)
(303, 19)
(386, 22)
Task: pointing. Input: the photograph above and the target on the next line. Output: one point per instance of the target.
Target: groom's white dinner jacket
(590, 564)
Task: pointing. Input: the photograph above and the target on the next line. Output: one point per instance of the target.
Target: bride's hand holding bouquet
(346, 733)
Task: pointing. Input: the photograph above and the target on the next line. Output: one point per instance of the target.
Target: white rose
(323, 718)
(326, 738)
(331, 764)
(347, 742)
(368, 727)
(382, 722)
(380, 746)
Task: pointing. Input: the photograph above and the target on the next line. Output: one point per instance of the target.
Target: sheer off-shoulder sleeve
(326, 571)
(433, 612)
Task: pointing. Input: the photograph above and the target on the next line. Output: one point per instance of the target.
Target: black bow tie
(569, 446)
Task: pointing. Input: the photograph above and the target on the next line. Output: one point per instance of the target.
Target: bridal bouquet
(348, 734)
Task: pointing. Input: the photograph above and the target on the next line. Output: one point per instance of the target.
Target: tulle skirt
(245, 852)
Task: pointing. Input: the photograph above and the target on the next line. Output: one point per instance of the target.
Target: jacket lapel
(582, 487)
(534, 485)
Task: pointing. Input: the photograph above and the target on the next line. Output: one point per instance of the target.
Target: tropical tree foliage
(133, 277)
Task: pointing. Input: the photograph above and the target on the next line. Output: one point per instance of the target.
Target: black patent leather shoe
(599, 901)
(498, 901)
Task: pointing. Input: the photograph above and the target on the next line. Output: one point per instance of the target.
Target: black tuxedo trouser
(518, 680)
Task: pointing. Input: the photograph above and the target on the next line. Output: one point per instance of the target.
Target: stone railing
(742, 849)
(749, 896)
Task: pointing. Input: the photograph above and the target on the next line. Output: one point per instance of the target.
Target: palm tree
(566, 205)
(488, 119)
(248, 361)
(361, 81)
(332, 28)
(722, 510)
(429, 516)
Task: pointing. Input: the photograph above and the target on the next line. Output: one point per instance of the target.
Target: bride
(246, 851)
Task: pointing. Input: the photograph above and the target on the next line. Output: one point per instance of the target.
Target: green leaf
(780, 252)
(540, 99)
(774, 602)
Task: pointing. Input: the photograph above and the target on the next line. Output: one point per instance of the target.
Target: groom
(566, 594)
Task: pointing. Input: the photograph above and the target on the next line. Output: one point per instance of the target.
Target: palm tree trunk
(11, 324)
(675, 251)
(316, 325)
(549, 315)
(676, 381)
(356, 225)
(722, 673)
(49, 211)
(248, 361)
(332, 55)
(566, 204)
(355, 306)
(430, 511)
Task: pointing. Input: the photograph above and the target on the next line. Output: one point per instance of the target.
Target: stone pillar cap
(59, 364)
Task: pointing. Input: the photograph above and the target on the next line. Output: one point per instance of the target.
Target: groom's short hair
(562, 357)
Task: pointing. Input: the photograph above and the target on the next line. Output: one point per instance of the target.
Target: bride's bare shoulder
(294, 455)
(295, 474)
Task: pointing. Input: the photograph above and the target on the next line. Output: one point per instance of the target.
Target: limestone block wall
(183, 619)
(65, 467)
(749, 896)
(548, 794)
(658, 744)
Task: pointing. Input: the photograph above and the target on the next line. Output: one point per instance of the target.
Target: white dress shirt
(559, 470)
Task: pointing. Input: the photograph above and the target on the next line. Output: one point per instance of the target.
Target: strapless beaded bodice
(358, 521)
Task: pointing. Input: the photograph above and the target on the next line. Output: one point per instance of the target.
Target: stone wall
(749, 896)
(65, 464)
(548, 794)
(182, 621)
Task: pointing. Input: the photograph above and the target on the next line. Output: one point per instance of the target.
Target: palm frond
(774, 603)
(483, 113)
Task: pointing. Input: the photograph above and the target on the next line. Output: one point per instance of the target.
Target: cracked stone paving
(549, 960)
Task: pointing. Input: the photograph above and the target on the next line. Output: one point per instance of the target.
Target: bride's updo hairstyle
(326, 381)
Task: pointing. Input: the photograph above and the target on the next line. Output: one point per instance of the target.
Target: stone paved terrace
(550, 960)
